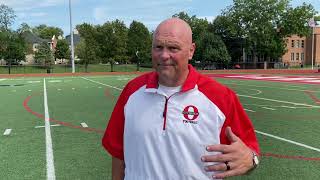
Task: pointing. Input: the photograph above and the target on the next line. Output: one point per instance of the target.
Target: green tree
(112, 38)
(12, 47)
(212, 50)
(7, 17)
(47, 32)
(139, 41)
(24, 27)
(62, 49)
(44, 56)
(87, 49)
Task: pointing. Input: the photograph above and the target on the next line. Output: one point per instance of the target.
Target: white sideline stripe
(303, 90)
(289, 141)
(249, 110)
(268, 108)
(101, 83)
(84, 125)
(49, 152)
(45, 126)
(7, 132)
(287, 102)
(314, 81)
(55, 81)
(2, 79)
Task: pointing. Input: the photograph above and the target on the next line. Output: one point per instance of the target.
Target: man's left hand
(235, 159)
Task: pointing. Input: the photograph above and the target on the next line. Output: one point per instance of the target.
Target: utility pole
(71, 35)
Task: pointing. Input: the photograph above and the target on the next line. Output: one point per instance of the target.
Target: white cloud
(100, 14)
(209, 18)
(22, 5)
(148, 12)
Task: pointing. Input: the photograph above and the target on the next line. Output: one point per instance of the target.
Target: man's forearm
(117, 169)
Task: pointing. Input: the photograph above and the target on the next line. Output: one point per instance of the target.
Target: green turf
(78, 154)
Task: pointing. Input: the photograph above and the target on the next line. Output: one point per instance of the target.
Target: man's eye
(173, 48)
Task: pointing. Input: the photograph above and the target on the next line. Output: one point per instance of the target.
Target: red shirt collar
(190, 83)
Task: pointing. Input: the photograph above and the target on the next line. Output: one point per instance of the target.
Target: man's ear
(192, 49)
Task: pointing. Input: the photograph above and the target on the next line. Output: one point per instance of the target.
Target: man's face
(171, 52)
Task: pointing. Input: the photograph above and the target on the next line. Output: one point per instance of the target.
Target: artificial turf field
(286, 117)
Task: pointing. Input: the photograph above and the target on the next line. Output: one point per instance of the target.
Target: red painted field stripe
(313, 97)
(25, 105)
(291, 157)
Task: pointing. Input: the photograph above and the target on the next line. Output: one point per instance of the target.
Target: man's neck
(179, 81)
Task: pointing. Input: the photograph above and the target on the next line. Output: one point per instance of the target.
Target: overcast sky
(149, 12)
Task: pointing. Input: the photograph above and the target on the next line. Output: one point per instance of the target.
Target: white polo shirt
(163, 137)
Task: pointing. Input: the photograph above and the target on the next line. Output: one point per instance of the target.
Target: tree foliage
(12, 46)
(87, 49)
(47, 32)
(62, 49)
(211, 50)
(44, 55)
(7, 17)
(139, 40)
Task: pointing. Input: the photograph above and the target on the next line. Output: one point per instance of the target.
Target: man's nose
(165, 54)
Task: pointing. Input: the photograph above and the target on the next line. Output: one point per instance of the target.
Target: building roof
(76, 39)
(32, 38)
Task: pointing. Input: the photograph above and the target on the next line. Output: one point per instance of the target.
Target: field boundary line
(289, 141)
(49, 151)
(289, 89)
(102, 84)
(274, 100)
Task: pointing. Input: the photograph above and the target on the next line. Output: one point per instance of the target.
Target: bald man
(176, 124)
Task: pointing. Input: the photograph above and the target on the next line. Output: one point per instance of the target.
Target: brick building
(300, 50)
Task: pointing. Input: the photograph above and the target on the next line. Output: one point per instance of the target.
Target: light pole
(138, 61)
(71, 34)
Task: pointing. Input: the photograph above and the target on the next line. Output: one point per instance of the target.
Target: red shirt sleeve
(113, 136)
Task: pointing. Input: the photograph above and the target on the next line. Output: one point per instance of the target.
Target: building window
(297, 43)
(302, 57)
(297, 56)
(292, 56)
(302, 43)
(292, 43)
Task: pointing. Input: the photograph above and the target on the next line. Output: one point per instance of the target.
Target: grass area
(283, 110)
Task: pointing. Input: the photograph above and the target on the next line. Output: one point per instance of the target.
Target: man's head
(172, 48)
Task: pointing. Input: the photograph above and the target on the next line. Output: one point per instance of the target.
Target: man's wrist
(255, 162)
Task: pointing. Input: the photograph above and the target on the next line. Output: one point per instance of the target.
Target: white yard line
(249, 110)
(268, 108)
(303, 90)
(45, 126)
(49, 152)
(2, 79)
(274, 100)
(84, 125)
(102, 83)
(289, 141)
(7, 132)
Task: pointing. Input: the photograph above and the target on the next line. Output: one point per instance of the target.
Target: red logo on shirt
(190, 113)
